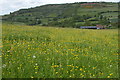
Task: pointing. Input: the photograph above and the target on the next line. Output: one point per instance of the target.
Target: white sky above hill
(7, 6)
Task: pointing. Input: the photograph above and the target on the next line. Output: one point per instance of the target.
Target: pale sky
(7, 6)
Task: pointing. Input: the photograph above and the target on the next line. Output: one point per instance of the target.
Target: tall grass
(47, 52)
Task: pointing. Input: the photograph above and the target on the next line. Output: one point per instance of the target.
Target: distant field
(49, 52)
(75, 14)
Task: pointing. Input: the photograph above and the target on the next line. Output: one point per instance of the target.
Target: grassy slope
(34, 51)
(60, 10)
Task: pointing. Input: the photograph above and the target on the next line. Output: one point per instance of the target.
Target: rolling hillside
(68, 15)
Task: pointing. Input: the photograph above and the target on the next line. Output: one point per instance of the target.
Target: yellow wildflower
(81, 69)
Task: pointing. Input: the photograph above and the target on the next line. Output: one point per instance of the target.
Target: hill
(68, 15)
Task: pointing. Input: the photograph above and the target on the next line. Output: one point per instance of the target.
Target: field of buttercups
(51, 52)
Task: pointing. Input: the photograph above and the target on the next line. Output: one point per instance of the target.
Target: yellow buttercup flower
(81, 69)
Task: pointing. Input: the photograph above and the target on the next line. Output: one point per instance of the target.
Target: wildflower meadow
(51, 52)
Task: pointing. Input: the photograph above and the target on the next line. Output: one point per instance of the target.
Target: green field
(0, 49)
(74, 14)
(51, 52)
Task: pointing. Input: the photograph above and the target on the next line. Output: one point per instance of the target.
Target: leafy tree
(101, 17)
(87, 23)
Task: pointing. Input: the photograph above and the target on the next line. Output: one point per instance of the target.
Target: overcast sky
(7, 6)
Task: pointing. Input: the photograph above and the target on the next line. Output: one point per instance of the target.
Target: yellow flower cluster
(47, 52)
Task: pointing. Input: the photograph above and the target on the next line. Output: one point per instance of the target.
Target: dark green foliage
(67, 15)
(87, 23)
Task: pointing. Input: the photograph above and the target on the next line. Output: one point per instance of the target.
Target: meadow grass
(0, 49)
(50, 52)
